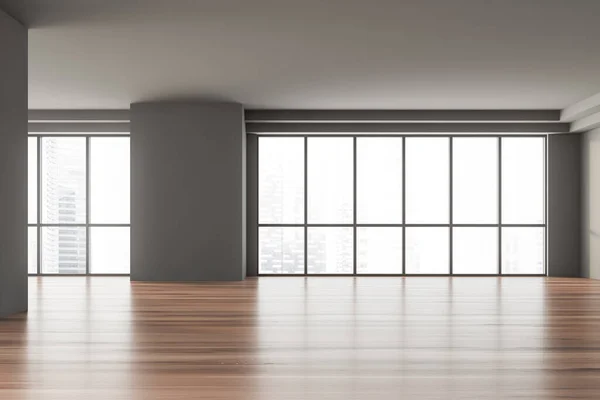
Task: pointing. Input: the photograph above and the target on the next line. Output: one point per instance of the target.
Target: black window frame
(355, 225)
(88, 225)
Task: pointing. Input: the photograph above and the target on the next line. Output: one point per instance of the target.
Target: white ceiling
(401, 54)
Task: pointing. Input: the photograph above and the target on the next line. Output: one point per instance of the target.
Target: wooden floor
(305, 338)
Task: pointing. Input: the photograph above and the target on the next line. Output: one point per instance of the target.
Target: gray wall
(188, 170)
(591, 205)
(13, 166)
(564, 205)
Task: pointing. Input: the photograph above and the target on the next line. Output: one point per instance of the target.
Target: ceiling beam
(329, 121)
(78, 127)
(83, 116)
(586, 123)
(336, 127)
(375, 116)
(581, 109)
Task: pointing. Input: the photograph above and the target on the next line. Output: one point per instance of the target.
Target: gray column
(252, 209)
(188, 193)
(564, 205)
(13, 166)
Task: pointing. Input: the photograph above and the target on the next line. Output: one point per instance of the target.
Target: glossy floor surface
(305, 338)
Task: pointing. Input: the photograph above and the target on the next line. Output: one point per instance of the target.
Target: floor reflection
(304, 338)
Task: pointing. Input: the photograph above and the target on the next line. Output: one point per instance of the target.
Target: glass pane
(63, 180)
(427, 251)
(427, 180)
(523, 180)
(475, 251)
(32, 244)
(475, 180)
(32, 183)
(379, 250)
(379, 180)
(330, 251)
(109, 180)
(109, 250)
(281, 180)
(330, 180)
(63, 250)
(523, 250)
(281, 250)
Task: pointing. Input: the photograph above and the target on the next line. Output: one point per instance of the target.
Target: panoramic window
(78, 204)
(394, 205)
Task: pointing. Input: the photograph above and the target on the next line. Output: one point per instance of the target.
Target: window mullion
(305, 205)
(39, 205)
(451, 200)
(87, 205)
(403, 205)
(354, 203)
(499, 205)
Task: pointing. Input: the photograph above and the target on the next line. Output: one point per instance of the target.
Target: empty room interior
(292, 200)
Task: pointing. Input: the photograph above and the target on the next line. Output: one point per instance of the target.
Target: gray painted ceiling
(406, 54)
